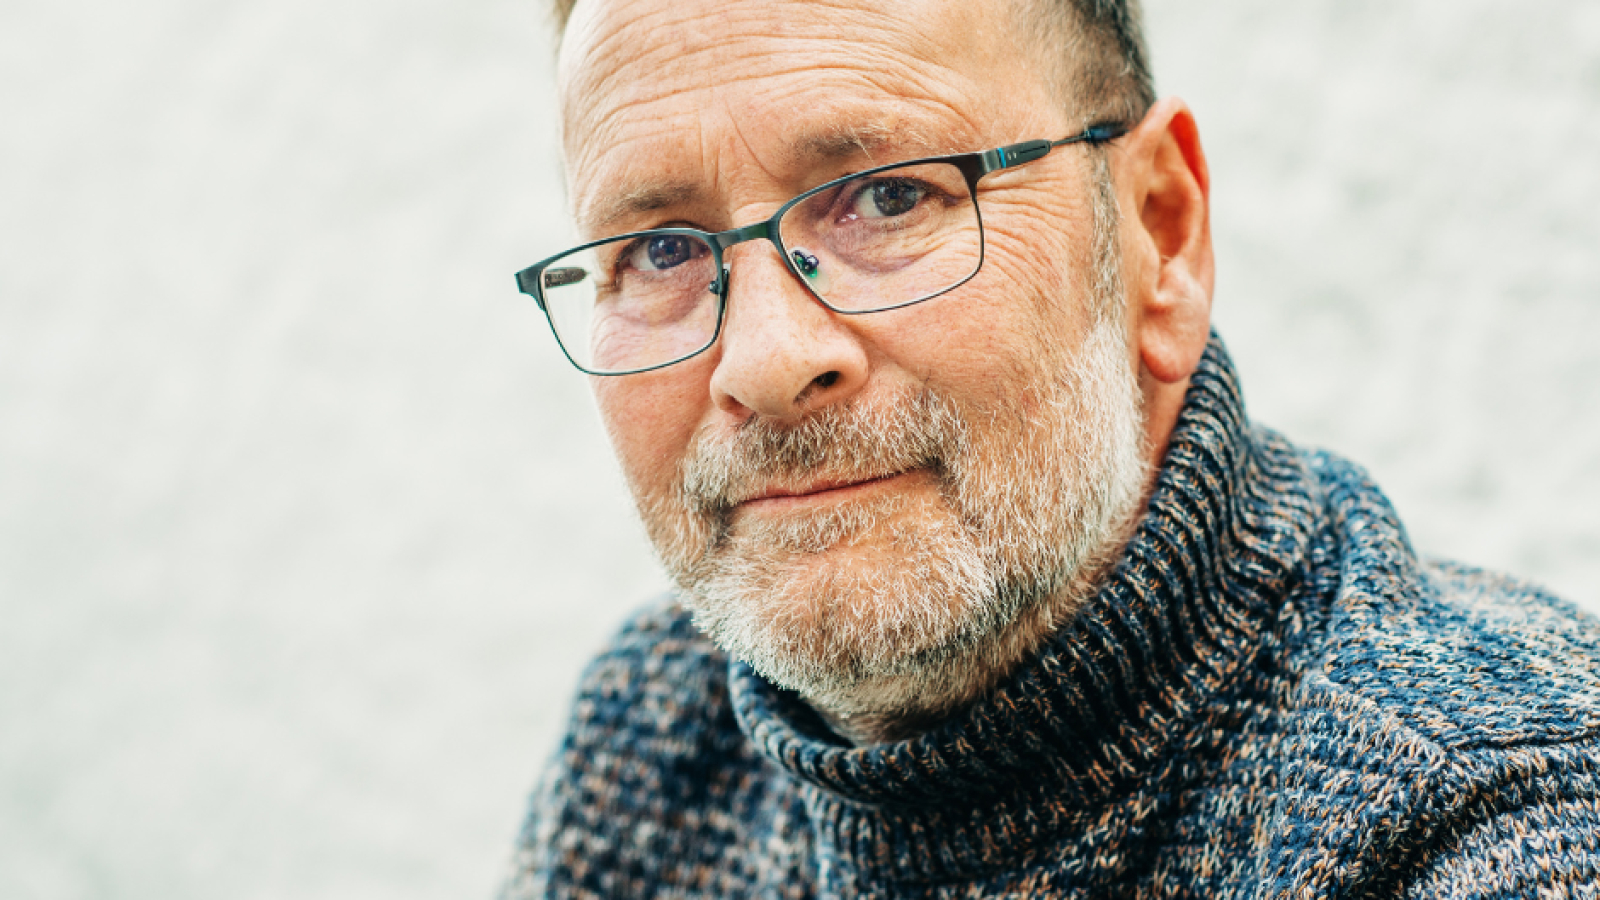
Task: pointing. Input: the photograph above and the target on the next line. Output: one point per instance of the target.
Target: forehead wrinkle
(632, 190)
(643, 69)
(650, 119)
(645, 92)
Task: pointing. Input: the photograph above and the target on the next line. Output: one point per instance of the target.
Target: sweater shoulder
(1452, 728)
(1463, 657)
(658, 689)
(658, 637)
(1471, 659)
(1499, 661)
(651, 767)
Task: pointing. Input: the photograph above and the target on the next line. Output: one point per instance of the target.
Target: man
(898, 320)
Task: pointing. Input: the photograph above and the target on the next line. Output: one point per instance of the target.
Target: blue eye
(888, 197)
(665, 251)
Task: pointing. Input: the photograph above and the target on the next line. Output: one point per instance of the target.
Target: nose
(783, 355)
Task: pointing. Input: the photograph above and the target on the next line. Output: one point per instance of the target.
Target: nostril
(826, 380)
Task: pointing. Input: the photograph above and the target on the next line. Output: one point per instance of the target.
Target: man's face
(849, 498)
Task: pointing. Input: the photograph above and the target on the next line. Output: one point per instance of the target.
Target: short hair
(1104, 70)
(1104, 66)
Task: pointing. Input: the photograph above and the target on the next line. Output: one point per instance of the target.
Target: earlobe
(1172, 195)
(1177, 325)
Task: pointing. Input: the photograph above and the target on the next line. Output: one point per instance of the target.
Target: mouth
(824, 491)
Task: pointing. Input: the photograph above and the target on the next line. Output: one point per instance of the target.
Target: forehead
(662, 99)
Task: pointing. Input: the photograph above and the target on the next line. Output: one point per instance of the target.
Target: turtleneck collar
(1104, 703)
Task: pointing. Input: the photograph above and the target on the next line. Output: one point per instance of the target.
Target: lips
(817, 488)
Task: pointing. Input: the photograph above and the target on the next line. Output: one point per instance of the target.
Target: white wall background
(305, 529)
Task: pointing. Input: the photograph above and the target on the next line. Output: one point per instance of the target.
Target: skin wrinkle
(769, 170)
(652, 73)
(1084, 69)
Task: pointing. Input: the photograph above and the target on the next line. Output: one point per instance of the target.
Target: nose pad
(805, 262)
(811, 267)
(719, 284)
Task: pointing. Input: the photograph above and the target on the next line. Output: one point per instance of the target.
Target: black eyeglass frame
(973, 167)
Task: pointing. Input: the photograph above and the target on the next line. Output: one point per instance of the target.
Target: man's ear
(1165, 191)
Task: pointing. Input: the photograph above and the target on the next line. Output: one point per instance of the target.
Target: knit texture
(1270, 696)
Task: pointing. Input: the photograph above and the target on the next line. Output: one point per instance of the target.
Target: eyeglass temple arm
(1013, 155)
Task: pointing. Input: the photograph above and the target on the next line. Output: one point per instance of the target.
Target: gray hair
(1104, 66)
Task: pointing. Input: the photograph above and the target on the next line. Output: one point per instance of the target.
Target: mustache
(851, 441)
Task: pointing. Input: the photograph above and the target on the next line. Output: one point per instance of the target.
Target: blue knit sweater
(1271, 696)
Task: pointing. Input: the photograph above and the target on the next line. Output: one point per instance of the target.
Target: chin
(825, 604)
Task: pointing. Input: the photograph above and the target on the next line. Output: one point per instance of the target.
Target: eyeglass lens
(885, 240)
(864, 244)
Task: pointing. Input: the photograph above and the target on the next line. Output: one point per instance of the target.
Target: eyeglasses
(876, 240)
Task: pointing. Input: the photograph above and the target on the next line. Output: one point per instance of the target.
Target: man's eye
(664, 251)
(888, 197)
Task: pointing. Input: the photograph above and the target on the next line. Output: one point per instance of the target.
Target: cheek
(1030, 296)
(1039, 238)
(1042, 248)
(650, 419)
(1029, 305)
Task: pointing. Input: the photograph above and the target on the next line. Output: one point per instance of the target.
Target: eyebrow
(641, 199)
(830, 145)
(843, 142)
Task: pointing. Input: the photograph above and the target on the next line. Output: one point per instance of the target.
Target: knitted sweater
(1270, 696)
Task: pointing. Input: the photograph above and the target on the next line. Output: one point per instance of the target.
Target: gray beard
(1034, 499)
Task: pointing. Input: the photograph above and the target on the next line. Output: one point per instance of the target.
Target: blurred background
(306, 528)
